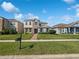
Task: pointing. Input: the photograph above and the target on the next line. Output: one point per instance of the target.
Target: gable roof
(31, 20)
(61, 25)
(36, 20)
(14, 20)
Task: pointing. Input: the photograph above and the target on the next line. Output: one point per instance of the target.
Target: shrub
(11, 31)
(0, 32)
(5, 31)
(8, 31)
(52, 32)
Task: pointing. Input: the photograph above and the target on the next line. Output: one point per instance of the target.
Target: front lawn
(27, 36)
(9, 37)
(14, 36)
(58, 36)
(38, 48)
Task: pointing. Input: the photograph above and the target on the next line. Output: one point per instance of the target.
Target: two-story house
(17, 25)
(35, 26)
(11, 24)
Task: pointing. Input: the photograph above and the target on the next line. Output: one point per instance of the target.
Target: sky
(50, 11)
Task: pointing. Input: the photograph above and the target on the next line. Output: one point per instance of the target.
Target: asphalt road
(70, 56)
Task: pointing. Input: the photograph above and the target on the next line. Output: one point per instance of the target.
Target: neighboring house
(11, 24)
(72, 28)
(4, 24)
(17, 25)
(35, 26)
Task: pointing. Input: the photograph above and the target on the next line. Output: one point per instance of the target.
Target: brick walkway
(34, 37)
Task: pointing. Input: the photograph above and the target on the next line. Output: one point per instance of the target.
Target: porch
(70, 30)
(35, 30)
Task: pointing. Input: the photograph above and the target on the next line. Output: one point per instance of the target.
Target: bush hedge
(52, 32)
(49, 32)
(8, 31)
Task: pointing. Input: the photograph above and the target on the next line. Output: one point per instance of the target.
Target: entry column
(69, 30)
(74, 30)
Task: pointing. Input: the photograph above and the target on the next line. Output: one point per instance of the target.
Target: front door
(35, 30)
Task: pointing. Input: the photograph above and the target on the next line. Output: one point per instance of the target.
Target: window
(40, 29)
(35, 23)
(26, 29)
(39, 24)
(30, 29)
(47, 29)
(13, 23)
(29, 23)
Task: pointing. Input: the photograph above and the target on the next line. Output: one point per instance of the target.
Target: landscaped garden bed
(37, 48)
(58, 36)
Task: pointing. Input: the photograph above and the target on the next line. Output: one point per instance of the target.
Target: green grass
(60, 36)
(9, 37)
(14, 36)
(27, 36)
(39, 48)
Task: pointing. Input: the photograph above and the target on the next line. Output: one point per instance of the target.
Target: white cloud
(9, 7)
(31, 16)
(67, 18)
(69, 1)
(19, 17)
(76, 7)
(50, 17)
(77, 14)
(69, 8)
(44, 11)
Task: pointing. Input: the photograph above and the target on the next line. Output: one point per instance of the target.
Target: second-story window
(13, 23)
(29, 23)
(35, 23)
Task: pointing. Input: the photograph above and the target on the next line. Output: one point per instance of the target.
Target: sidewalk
(34, 37)
(41, 40)
(63, 56)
